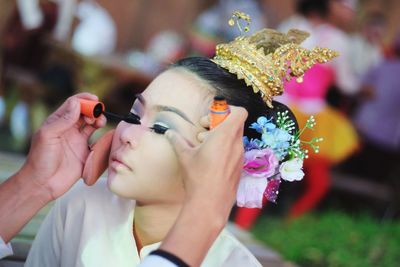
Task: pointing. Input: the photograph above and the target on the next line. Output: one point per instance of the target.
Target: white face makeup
(143, 165)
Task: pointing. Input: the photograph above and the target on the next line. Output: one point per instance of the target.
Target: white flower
(291, 170)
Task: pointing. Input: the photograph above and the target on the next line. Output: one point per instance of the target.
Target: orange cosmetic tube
(91, 109)
(219, 110)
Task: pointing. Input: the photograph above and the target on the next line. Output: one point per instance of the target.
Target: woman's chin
(117, 186)
(111, 182)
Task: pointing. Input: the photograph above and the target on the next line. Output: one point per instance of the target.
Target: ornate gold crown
(267, 57)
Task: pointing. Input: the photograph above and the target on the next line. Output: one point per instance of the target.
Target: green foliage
(333, 239)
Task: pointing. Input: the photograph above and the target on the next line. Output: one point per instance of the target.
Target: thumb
(64, 118)
(179, 144)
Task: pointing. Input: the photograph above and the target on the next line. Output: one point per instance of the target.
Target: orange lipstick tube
(219, 110)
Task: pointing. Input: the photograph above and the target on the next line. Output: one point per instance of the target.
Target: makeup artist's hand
(211, 176)
(212, 169)
(60, 147)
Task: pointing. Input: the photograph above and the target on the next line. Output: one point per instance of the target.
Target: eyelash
(157, 128)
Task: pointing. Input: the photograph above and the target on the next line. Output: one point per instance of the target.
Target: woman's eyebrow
(165, 108)
(174, 110)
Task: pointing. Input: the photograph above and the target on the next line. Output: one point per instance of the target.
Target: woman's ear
(97, 161)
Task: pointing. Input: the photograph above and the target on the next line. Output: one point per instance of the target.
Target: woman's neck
(152, 222)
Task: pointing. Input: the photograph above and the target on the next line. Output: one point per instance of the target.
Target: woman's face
(142, 164)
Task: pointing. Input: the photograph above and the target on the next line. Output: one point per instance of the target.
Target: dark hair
(308, 7)
(235, 91)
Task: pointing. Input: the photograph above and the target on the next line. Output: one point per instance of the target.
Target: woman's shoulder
(81, 193)
(227, 250)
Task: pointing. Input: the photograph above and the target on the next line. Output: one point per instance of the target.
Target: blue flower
(251, 144)
(263, 125)
(278, 140)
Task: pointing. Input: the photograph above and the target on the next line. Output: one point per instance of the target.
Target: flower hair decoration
(277, 155)
(264, 61)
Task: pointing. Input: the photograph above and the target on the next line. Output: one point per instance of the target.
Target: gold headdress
(267, 57)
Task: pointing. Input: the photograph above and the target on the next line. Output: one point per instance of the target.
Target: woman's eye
(159, 128)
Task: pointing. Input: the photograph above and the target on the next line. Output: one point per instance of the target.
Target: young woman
(119, 221)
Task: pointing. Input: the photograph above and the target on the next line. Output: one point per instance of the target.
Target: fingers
(91, 125)
(202, 136)
(87, 96)
(205, 122)
(231, 129)
(68, 114)
(64, 117)
(237, 117)
(179, 144)
(100, 122)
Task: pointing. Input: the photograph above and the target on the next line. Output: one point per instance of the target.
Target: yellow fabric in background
(340, 138)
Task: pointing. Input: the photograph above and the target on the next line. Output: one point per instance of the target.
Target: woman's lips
(117, 162)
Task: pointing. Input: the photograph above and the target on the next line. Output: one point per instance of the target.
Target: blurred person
(367, 48)
(24, 53)
(96, 33)
(164, 47)
(209, 29)
(377, 120)
(309, 97)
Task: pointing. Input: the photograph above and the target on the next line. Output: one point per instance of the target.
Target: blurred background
(346, 210)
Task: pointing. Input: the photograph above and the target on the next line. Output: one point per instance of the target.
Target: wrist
(21, 198)
(192, 246)
(212, 213)
(27, 182)
(204, 214)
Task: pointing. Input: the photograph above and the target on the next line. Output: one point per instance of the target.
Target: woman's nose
(131, 133)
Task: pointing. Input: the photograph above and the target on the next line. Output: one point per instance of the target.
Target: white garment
(30, 13)
(91, 226)
(5, 249)
(149, 261)
(96, 33)
(154, 260)
(364, 55)
(326, 35)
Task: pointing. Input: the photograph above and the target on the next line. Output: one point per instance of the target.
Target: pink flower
(260, 162)
(250, 191)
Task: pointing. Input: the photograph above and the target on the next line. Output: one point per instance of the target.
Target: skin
(143, 165)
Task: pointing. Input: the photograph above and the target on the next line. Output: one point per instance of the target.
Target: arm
(212, 174)
(20, 199)
(54, 163)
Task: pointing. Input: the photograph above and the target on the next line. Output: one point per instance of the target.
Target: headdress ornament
(267, 57)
